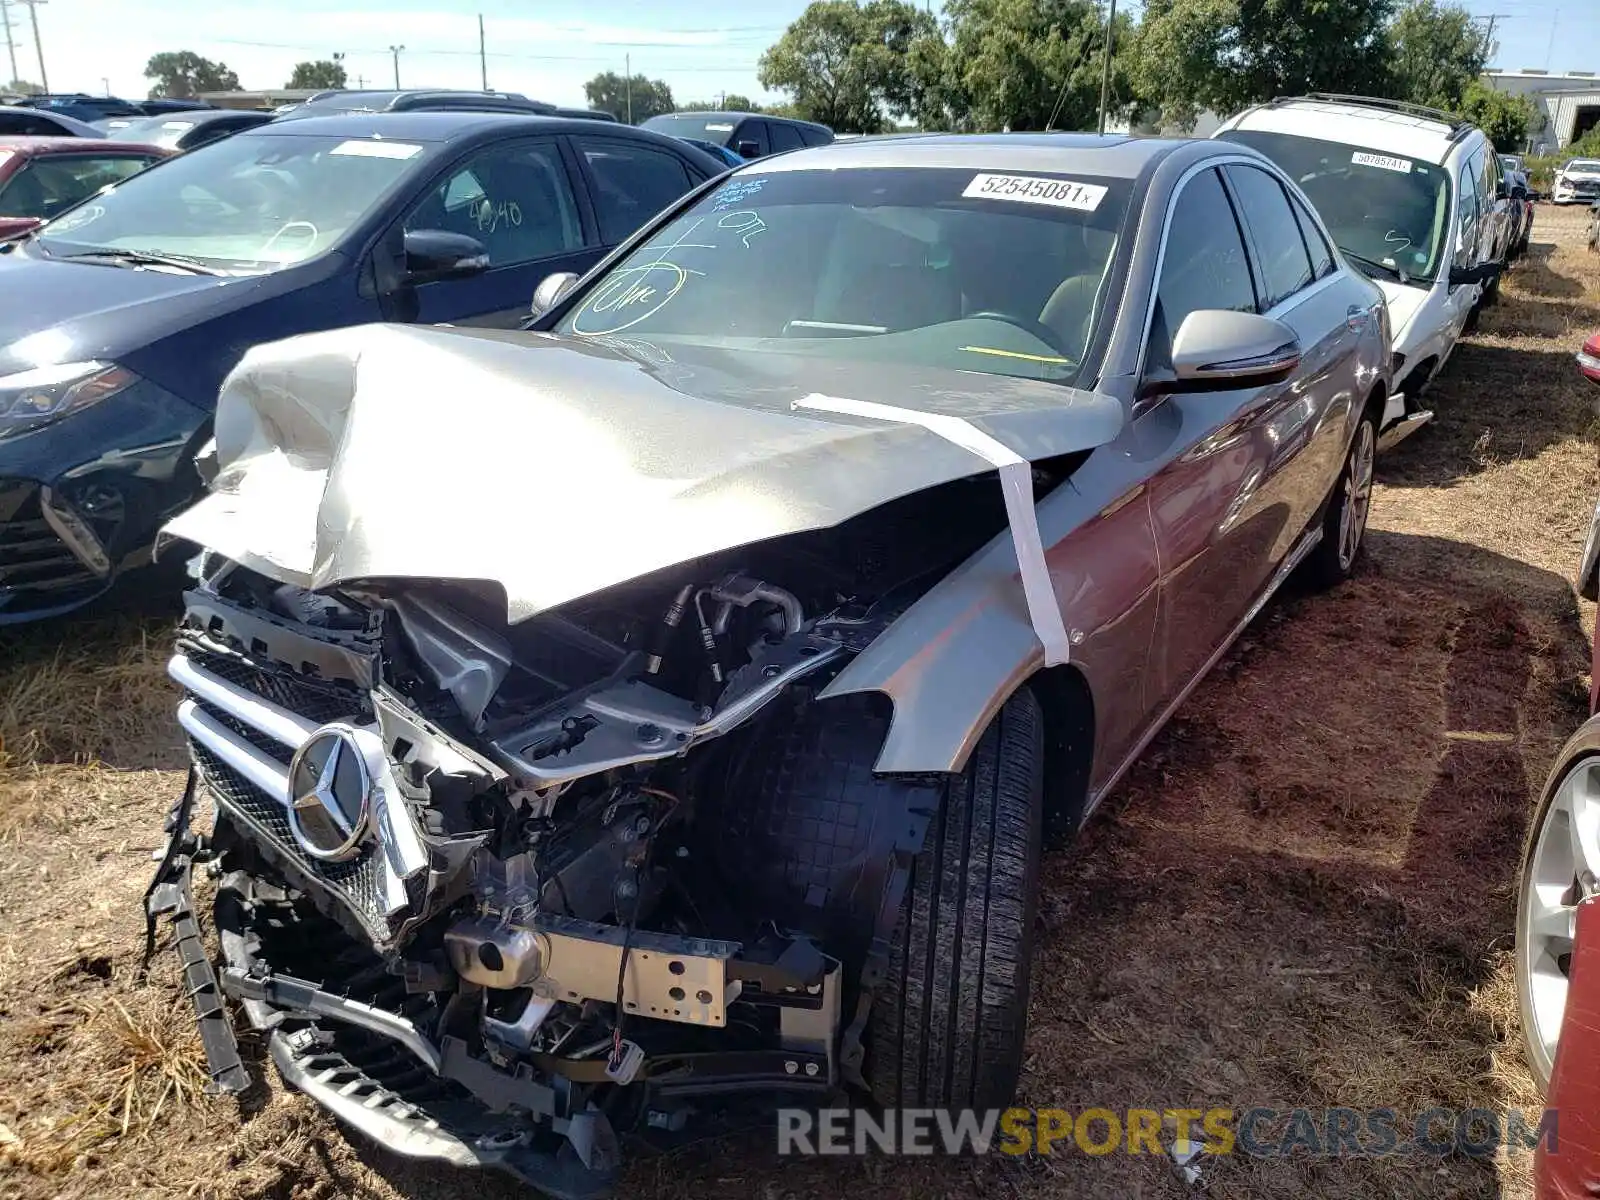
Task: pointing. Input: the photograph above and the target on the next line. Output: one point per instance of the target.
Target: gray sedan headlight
(29, 399)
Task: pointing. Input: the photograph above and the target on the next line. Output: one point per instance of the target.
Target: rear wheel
(1344, 526)
(948, 1023)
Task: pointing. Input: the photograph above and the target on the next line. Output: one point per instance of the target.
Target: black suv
(750, 135)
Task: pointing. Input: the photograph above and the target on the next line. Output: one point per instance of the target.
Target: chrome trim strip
(279, 724)
(256, 766)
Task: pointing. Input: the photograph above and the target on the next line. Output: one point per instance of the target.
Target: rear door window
(1281, 255)
(632, 183)
(784, 137)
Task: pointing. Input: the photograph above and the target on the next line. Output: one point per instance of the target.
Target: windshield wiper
(143, 258)
(1396, 272)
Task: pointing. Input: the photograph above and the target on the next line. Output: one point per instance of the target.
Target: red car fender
(1570, 1169)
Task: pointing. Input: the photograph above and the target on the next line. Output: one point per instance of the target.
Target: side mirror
(749, 150)
(1500, 191)
(1218, 350)
(1482, 273)
(436, 254)
(550, 291)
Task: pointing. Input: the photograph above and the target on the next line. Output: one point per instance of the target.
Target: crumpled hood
(556, 467)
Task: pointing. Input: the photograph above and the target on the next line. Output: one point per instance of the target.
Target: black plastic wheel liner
(806, 836)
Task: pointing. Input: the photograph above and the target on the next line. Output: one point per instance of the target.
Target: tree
(183, 73)
(1501, 115)
(1435, 52)
(847, 64)
(609, 92)
(321, 74)
(1228, 54)
(1029, 64)
(21, 87)
(734, 102)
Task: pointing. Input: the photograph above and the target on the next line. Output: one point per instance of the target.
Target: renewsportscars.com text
(1256, 1132)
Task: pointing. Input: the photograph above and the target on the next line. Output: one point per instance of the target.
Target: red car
(42, 176)
(1558, 930)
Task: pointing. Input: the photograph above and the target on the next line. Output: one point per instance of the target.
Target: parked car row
(630, 701)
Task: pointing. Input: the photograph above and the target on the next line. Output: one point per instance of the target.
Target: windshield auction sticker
(1362, 158)
(365, 148)
(1035, 189)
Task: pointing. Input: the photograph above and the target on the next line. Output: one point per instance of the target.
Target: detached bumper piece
(170, 895)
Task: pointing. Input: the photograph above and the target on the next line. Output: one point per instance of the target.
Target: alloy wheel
(1357, 495)
(1561, 872)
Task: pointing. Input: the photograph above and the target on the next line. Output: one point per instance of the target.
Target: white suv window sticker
(1362, 159)
(1035, 189)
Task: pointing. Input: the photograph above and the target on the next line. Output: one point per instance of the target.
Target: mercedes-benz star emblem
(330, 793)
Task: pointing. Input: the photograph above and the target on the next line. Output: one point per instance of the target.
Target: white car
(1577, 182)
(1412, 196)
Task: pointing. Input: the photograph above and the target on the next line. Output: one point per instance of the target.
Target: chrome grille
(244, 741)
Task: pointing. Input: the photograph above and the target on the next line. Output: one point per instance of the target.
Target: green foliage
(1588, 146)
(847, 64)
(1435, 53)
(321, 74)
(21, 87)
(1032, 64)
(610, 93)
(1501, 115)
(734, 102)
(180, 74)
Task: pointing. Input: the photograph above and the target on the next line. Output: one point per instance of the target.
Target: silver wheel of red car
(1559, 870)
(1357, 498)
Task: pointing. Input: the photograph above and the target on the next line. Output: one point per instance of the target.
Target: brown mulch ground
(1303, 895)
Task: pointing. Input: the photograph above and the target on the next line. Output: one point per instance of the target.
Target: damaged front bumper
(431, 1096)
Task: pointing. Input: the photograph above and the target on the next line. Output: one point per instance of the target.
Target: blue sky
(545, 48)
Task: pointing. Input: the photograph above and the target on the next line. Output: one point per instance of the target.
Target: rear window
(708, 128)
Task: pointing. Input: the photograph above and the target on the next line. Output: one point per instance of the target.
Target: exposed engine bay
(500, 892)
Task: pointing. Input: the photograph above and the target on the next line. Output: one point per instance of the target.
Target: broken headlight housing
(30, 399)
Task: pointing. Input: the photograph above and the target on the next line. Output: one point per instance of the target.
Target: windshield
(51, 183)
(1584, 164)
(709, 127)
(246, 204)
(1391, 212)
(977, 271)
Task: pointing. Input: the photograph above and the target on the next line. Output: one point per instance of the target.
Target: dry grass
(1303, 896)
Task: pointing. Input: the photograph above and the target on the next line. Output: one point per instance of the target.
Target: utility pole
(11, 46)
(106, 79)
(627, 70)
(1105, 67)
(395, 51)
(1488, 34)
(38, 46)
(483, 57)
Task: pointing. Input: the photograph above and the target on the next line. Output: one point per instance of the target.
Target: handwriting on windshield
(636, 292)
(492, 215)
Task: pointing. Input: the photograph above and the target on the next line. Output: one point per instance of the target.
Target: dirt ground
(1303, 895)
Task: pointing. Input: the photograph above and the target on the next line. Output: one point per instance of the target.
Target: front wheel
(1344, 526)
(1560, 865)
(948, 1023)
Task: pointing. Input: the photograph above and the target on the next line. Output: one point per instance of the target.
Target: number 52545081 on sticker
(1036, 189)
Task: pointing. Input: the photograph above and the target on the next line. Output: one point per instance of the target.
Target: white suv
(1415, 198)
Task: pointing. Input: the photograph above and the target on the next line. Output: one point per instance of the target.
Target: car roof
(735, 115)
(430, 126)
(30, 146)
(66, 119)
(1114, 155)
(1412, 133)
